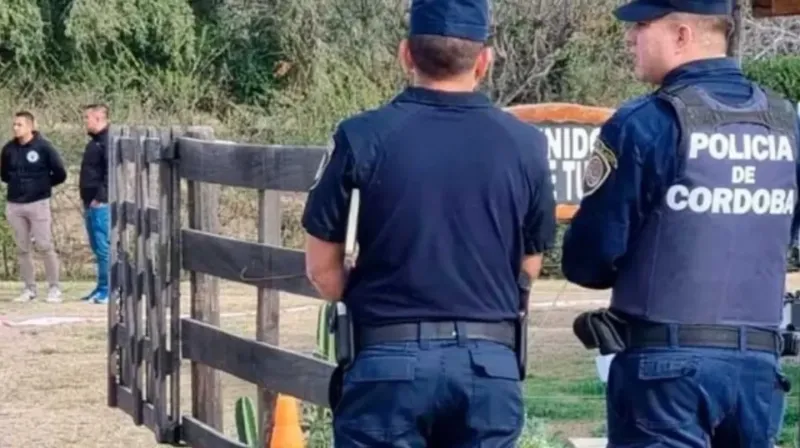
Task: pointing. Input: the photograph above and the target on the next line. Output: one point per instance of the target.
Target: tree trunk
(735, 37)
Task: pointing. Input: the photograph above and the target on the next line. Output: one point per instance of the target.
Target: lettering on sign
(747, 155)
(572, 131)
(569, 148)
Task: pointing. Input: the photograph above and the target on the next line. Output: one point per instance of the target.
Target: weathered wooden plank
(133, 406)
(148, 147)
(161, 290)
(152, 324)
(203, 203)
(269, 305)
(263, 167)
(261, 265)
(134, 303)
(113, 370)
(173, 223)
(265, 365)
(128, 147)
(197, 434)
(128, 211)
(775, 8)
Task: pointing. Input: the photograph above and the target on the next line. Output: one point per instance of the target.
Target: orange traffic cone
(286, 433)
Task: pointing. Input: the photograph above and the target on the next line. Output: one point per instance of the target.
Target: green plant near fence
(316, 419)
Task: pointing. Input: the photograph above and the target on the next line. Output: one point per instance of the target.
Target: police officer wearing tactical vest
(456, 204)
(690, 201)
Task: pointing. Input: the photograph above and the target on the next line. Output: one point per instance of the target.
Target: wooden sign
(572, 130)
(775, 8)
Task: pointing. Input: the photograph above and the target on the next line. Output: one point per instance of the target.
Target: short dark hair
(441, 57)
(97, 106)
(26, 115)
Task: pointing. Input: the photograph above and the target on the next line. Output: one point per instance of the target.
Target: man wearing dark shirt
(457, 206)
(31, 167)
(93, 185)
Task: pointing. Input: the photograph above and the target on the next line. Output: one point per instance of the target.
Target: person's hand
(95, 203)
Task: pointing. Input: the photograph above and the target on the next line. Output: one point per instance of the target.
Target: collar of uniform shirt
(726, 68)
(443, 98)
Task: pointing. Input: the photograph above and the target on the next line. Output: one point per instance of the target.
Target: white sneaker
(26, 296)
(54, 295)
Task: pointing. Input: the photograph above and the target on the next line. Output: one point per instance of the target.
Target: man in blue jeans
(93, 185)
(689, 207)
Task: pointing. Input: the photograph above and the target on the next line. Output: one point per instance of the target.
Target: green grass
(553, 398)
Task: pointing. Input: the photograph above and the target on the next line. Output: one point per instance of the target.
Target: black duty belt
(501, 332)
(648, 336)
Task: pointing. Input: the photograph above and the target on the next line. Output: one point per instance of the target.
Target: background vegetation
(287, 72)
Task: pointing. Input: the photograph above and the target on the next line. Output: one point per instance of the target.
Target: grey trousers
(31, 225)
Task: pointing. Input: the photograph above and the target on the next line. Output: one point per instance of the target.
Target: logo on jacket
(32, 156)
(600, 165)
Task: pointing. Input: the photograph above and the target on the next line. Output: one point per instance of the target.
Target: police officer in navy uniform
(456, 203)
(687, 215)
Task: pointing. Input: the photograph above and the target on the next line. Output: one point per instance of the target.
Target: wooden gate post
(268, 314)
(203, 208)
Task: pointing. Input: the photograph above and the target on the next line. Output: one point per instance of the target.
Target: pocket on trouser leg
(496, 406)
(653, 397)
(379, 403)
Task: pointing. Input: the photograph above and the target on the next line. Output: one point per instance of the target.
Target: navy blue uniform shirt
(453, 192)
(643, 134)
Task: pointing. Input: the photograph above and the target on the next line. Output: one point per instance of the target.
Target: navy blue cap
(647, 10)
(464, 19)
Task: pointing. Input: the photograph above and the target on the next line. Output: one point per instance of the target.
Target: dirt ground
(53, 377)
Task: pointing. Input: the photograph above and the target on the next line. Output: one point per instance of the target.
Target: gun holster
(791, 343)
(341, 326)
(600, 329)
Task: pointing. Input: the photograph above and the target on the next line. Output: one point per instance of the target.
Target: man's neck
(100, 130)
(699, 55)
(448, 85)
(25, 139)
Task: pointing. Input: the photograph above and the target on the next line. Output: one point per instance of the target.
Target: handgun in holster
(521, 327)
(340, 320)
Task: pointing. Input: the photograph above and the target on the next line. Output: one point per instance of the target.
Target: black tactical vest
(714, 250)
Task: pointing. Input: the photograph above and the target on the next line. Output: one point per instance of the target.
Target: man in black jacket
(93, 185)
(31, 167)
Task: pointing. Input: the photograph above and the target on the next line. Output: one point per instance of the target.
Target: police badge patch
(326, 157)
(598, 168)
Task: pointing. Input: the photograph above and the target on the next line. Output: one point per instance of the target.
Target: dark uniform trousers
(677, 397)
(431, 393)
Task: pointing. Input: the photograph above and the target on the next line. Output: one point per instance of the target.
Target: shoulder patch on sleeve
(323, 163)
(599, 166)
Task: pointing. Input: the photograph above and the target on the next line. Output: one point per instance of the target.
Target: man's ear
(484, 63)
(684, 36)
(405, 59)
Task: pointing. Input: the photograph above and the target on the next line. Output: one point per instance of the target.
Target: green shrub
(781, 74)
